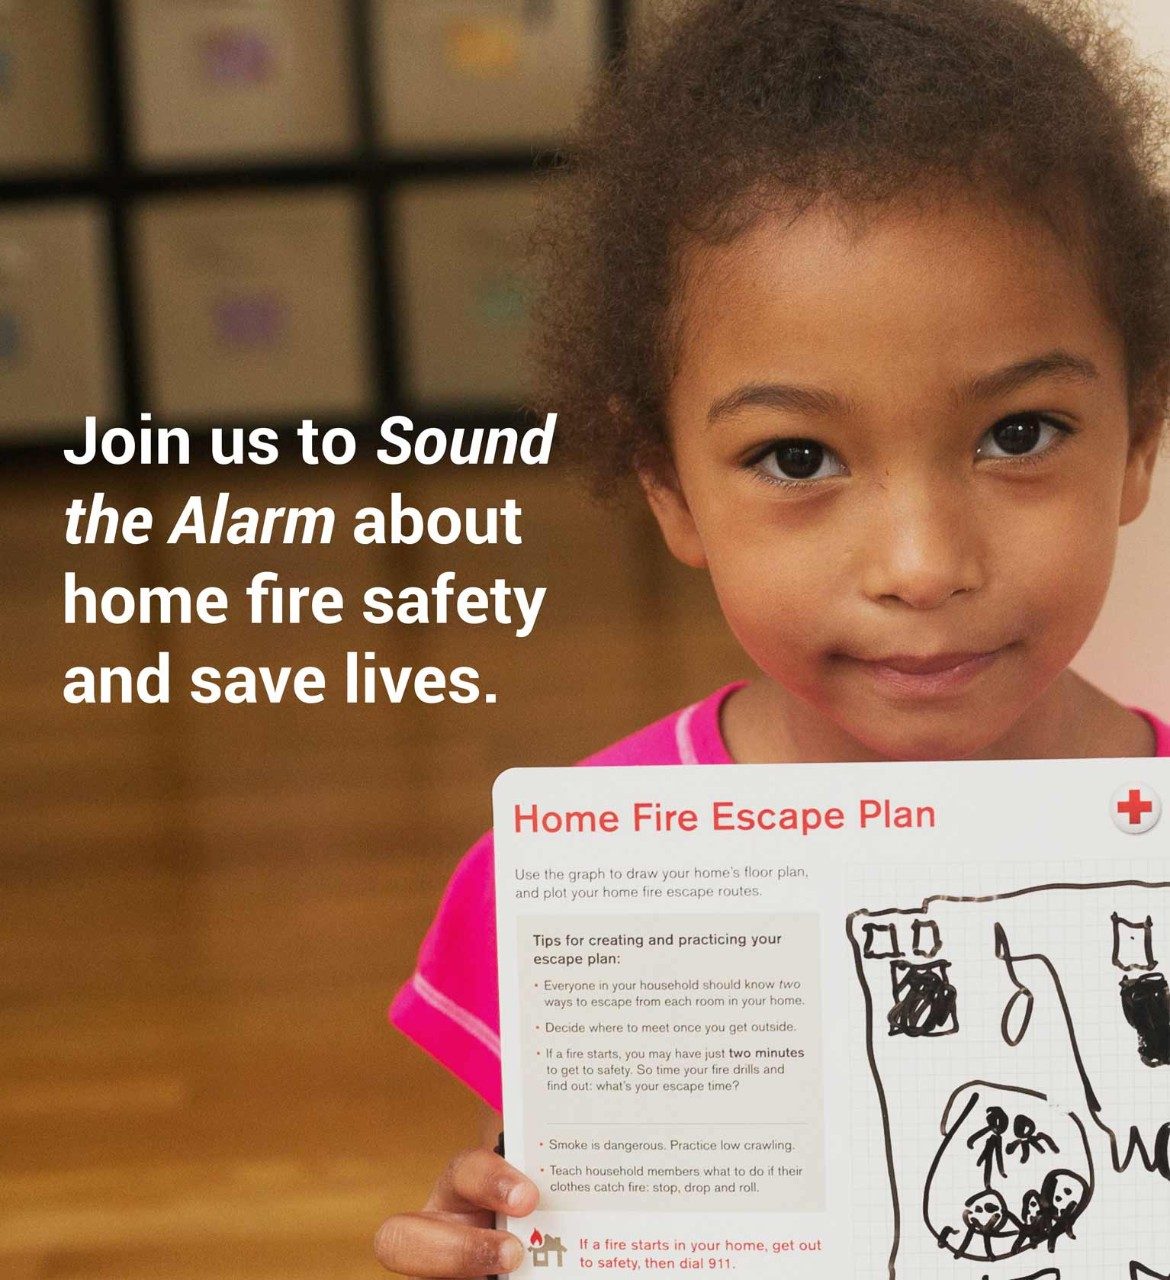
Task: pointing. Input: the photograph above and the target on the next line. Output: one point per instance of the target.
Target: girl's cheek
(776, 620)
(1061, 586)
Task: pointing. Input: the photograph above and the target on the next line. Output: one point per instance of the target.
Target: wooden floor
(206, 911)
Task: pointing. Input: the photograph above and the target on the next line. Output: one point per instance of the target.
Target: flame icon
(536, 1238)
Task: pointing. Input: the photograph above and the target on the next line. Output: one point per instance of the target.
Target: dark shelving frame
(117, 183)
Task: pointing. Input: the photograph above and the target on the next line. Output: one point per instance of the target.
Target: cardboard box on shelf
(56, 361)
(219, 81)
(47, 91)
(463, 294)
(465, 74)
(254, 305)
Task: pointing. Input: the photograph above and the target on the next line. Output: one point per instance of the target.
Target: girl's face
(903, 451)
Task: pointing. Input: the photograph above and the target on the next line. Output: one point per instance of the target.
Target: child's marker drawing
(1029, 1033)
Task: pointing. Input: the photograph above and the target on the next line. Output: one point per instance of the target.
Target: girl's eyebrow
(778, 395)
(1001, 382)
(987, 386)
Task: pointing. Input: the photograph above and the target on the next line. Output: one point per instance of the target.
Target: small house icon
(543, 1247)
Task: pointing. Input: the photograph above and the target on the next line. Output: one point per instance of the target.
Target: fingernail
(511, 1254)
(517, 1195)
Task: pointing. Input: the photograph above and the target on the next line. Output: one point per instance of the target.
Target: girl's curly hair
(741, 103)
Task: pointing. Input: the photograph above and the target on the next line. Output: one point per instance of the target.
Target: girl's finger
(479, 1179)
(422, 1244)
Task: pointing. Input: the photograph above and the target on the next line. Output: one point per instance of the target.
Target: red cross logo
(1135, 807)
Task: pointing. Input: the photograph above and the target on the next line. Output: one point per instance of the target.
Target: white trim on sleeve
(474, 1026)
(683, 737)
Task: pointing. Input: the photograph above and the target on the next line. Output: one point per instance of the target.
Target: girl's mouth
(907, 675)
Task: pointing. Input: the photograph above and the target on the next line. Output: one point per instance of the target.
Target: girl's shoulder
(690, 735)
(1161, 734)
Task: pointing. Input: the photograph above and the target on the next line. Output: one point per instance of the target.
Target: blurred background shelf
(127, 106)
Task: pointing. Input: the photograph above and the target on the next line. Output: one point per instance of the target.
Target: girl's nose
(924, 548)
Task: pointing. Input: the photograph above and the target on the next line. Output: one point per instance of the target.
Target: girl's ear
(664, 493)
(1143, 449)
(1147, 426)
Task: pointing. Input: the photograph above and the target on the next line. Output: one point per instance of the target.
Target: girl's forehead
(828, 243)
(966, 280)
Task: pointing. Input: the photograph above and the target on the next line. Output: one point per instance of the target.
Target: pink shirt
(450, 1007)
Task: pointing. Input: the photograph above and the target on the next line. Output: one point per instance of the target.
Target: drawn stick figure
(1063, 1197)
(1036, 1222)
(987, 1219)
(1028, 1139)
(992, 1153)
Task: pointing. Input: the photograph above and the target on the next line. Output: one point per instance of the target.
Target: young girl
(873, 297)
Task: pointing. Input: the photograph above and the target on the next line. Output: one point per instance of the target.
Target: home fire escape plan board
(884, 1020)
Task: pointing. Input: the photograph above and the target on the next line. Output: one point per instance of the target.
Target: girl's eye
(1021, 436)
(795, 461)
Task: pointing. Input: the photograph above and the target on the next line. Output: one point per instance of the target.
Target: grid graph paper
(1079, 1067)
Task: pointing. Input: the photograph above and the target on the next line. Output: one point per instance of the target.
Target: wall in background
(1129, 652)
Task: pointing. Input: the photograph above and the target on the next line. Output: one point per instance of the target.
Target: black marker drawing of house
(1022, 1070)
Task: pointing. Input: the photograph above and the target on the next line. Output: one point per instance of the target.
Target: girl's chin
(954, 743)
(965, 736)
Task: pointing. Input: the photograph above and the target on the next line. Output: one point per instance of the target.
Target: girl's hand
(453, 1237)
